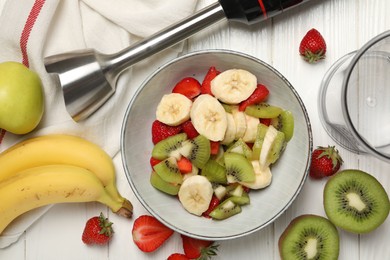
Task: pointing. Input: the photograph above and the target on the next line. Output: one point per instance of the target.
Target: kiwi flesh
(355, 201)
(284, 123)
(168, 146)
(256, 149)
(309, 237)
(225, 210)
(197, 150)
(169, 171)
(160, 184)
(277, 148)
(263, 110)
(238, 168)
(214, 172)
(240, 147)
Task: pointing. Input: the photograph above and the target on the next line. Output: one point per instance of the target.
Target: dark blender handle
(254, 11)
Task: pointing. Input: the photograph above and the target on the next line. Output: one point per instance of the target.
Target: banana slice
(209, 117)
(240, 120)
(233, 86)
(173, 109)
(251, 129)
(230, 133)
(269, 139)
(195, 194)
(263, 177)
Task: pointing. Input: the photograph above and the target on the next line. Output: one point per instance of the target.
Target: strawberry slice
(214, 147)
(213, 204)
(154, 161)
(149, 234)
(189, 87)
(189, 129)
(196, 248)
(265, 121)
(160, 131)
(177, 256)
(184, 165)
(259, 95)
(206, 83)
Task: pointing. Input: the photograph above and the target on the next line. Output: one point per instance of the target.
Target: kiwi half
(355, 201)
(309, 237)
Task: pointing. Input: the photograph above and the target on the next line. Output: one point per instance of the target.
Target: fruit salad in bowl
(216, 144)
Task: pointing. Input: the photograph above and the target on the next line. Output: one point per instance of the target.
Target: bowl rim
(202, 52)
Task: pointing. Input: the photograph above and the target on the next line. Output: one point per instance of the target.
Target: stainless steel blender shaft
(88, 78)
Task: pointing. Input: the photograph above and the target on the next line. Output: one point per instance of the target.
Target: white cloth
(33, 29)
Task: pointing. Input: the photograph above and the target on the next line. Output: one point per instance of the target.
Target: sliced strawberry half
(160, 131)
(189, 87)
(206, 83)
(189, 129)
(149, 234)
(259, 95)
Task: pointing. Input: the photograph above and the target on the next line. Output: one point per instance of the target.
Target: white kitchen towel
(33, 29)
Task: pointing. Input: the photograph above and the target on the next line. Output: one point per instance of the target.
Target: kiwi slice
(160, 184)
(168, 146)
(355, 201)
(309, 237)
(169, 171)
(228, 108)
(197, 150)
(238, 196)
(284, 123)
(256, 149)
(238, 168)
(214, 172)
(277, 148)
(263, 110)
(240, 147)
(225, 210)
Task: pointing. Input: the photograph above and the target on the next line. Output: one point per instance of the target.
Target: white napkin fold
(33, 29)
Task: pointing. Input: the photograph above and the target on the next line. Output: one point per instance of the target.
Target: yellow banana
(60, 149)
(44, 185)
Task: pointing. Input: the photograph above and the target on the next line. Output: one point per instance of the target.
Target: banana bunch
(56, 169)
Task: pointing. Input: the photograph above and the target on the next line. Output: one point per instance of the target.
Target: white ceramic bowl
(289, 174)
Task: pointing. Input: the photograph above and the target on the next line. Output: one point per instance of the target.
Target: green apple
(21, 98)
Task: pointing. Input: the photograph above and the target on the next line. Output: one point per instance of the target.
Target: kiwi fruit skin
(371, 193)
(284, 123)
(162, 185)
(292, 241)
(256, 149)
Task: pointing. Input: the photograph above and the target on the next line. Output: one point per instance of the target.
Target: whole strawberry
(313, 46)
(98, 230)
(325, 161)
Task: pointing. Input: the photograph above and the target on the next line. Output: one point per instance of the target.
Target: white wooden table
(346, 25)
